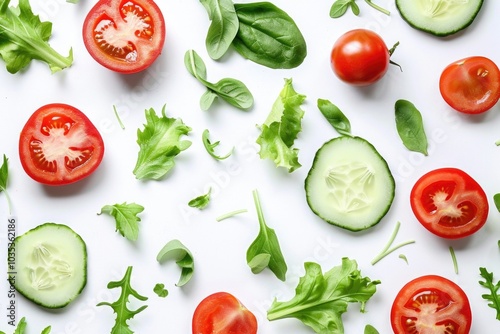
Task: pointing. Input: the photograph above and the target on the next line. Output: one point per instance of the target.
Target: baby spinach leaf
(223, 28)
(125, 214)
(230, 90)
(496, 201)
(281, 128)
(4, 178)
(120, 306)
(335, 117)
(174, 249)
(369, 329)
(265, 250)
(410, 127)
(210, 147)
(268, 36)
(494, 297)
(339, 8)
(159, 144)
(201, 201)
(24, 37)
(160, 290)
(321, 299)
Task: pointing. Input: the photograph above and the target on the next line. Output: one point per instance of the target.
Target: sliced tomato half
(449, 203)
(222, 313)
(125, 36)
(431, 304)
(60, 145)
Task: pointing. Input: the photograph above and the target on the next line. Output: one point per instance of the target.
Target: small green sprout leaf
(387, 249)
(201, 202)
(160, 290)
(210, 147)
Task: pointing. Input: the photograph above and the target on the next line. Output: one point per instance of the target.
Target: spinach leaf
(24, 37)
(223, 28)
(321, 299)
(410, 126)
(335, 117)
(496, 201)
(369, 329)
(159, 144)
(268, 36)
(174, 249)
(265, 250)
(230, 90)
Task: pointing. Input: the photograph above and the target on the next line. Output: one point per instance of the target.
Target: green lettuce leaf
(159, 144)
(24, 37)
(281, 129)
(125, 214)
(321, 299)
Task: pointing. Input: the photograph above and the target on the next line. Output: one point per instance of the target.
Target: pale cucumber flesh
(51, 265)
(349, 184)
(439, 17)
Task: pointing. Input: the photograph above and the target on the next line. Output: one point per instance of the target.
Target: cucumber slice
(349, 184)
(51, 264)
(439, 17)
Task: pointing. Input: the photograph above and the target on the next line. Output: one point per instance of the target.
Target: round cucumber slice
(51, 265)
(439, 17)
(349, 184)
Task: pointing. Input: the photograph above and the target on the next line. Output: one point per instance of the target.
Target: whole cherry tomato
(360, 57)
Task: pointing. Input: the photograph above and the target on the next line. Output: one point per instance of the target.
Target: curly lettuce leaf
(321, 299)
(159, 144)
(24, 37)
(279, 131)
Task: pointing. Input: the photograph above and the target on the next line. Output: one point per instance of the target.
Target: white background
(219, 248)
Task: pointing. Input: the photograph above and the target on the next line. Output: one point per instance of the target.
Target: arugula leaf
(126, 218)
(159, 144)
(335, 117)
(160, 290)
(321, 299)
(201, 201)
(21, 327)
(265, 250)
(210, 147)
(4, 177)
(268, 36)
(230, 90)
(174, 249)
(223, 28)
(410, 126)
(123, 313)
(281, 129)
(24, 37)
(494, 296)
(339, 8)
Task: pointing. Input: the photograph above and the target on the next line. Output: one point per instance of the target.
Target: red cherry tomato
(449, 203)
(471, 85)
(222, 313)
(124, 36)
(360, 57)
(59, 145)
(431, 304)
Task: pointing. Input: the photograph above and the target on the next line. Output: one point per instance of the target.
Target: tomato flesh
(222, 313)
(59, 145)
(449, 203)
(471, 85)
(360, 57)
(431, 304)
(125, 36)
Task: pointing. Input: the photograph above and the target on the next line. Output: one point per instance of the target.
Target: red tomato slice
(360, 57)
(125, 36)
(222, 313)
(431, 304)
(471, 85)
(59, 145)
(449, 203)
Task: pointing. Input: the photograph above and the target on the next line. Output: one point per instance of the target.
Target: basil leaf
(174, 249)
(268, 36)
(223, 28)
(265, 250)
(335, 117)
(410, 127)
(230, 90)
